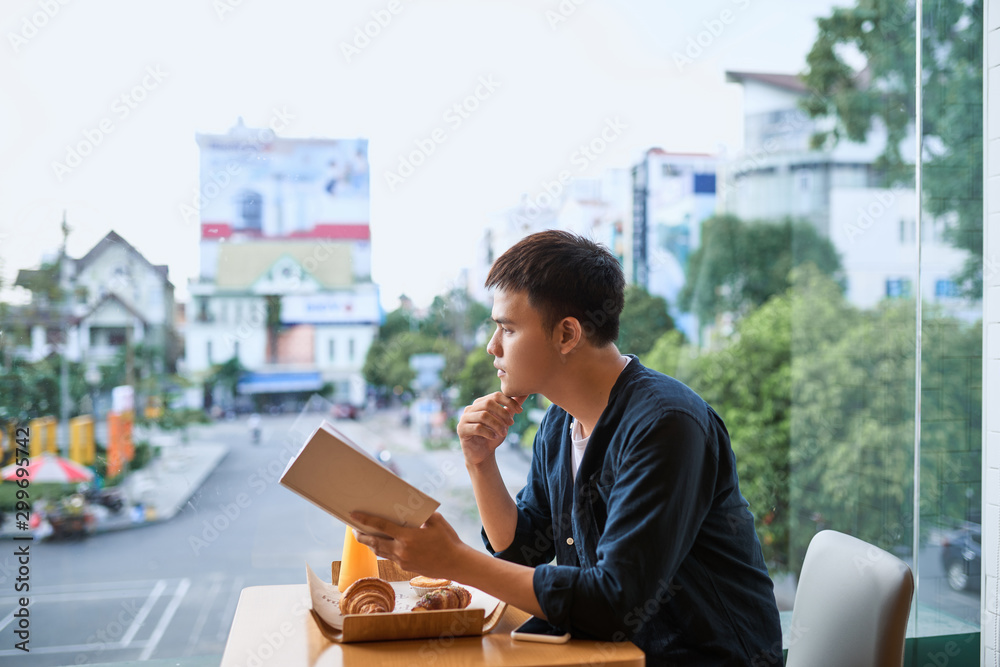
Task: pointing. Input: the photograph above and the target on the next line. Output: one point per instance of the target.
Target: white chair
(851, 605)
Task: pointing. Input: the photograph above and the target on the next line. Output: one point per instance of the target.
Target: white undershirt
(579, 441)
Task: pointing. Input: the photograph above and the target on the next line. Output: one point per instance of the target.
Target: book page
(340, 477)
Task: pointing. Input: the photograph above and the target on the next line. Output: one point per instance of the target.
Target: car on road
(962, 557)
(344, 411)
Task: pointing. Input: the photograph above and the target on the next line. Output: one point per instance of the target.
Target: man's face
(525, 351)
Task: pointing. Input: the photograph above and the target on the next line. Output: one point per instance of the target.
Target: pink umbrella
(50, 468)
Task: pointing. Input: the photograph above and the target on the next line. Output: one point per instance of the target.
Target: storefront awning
(279, 383)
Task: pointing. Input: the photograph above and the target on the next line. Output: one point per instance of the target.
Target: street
(170, 589)
(938, 603)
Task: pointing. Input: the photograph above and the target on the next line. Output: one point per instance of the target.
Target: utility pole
(64, 316)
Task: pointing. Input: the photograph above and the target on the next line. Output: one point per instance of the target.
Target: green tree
(455, 316)
(43, 283)
(31, 389)
(818, 397)
(881, 97)
(396, 323)
(739, 265)
(387, 365)
(227, 375)
(272, 319)
(478, 376)
(748, 383)
(644, 319)
(448, 329)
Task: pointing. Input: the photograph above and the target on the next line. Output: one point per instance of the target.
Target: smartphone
(537, 630)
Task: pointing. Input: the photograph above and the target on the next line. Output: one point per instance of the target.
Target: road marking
(199, 622)
(154, 595)
(76, 597)
(144, 584)
(70, 648)
(168, 615)
(226, 620)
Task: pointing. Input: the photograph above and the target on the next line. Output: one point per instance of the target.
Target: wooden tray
(408, 625)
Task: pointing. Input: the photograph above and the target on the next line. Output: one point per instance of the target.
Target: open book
(340, 477)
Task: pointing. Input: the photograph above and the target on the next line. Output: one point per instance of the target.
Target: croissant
(450, 597)
(369, 595)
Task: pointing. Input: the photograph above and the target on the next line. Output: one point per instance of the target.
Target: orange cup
(357, 562)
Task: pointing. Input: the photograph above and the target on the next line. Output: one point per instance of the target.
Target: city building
(92, 306)
(284, 285)
(597, 208)
(839, 191)
(673, 193)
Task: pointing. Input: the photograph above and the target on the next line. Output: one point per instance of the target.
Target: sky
(134, 82)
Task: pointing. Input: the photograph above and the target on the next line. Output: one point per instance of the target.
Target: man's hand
(432, 550)
(484, 425)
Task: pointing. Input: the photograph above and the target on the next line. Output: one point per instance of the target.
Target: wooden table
(273, 626)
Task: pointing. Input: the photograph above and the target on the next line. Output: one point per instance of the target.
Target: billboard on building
(330, 308)
(255, 184)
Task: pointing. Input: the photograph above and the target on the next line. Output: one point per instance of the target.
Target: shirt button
(569, 541)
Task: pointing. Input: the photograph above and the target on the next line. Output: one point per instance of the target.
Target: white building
(285, 279)
(673, 193)
(598, 208)
(875, 231)
(872, 228)
(778, 175)
(114, 295)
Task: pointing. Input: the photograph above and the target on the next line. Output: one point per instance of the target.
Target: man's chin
(510, 389)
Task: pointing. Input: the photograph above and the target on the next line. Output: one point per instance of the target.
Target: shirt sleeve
(533, 536)
(661, 490)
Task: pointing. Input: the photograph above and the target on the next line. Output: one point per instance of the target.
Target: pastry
(369, 595)
(421, 584)
(427, 582)
(449, 597)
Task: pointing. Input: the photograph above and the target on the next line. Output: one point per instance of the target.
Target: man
(632, 488)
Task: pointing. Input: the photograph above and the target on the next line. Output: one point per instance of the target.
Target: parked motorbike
(111, 498)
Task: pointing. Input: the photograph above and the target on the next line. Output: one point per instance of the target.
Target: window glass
(795, 253)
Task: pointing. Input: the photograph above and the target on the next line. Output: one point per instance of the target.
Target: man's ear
(568, 334)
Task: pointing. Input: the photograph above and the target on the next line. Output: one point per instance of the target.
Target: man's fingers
(434, 518)
(378, 523)
(497, 424)
(368, 540)
(510, 403)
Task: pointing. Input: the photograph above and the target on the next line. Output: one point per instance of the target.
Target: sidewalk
(164, 486)
(156, 492)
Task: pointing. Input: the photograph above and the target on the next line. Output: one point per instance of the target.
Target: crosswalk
(95, 622)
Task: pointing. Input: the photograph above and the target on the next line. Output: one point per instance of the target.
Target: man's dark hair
(565, 275)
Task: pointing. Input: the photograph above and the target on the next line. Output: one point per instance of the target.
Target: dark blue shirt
(654, 542)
